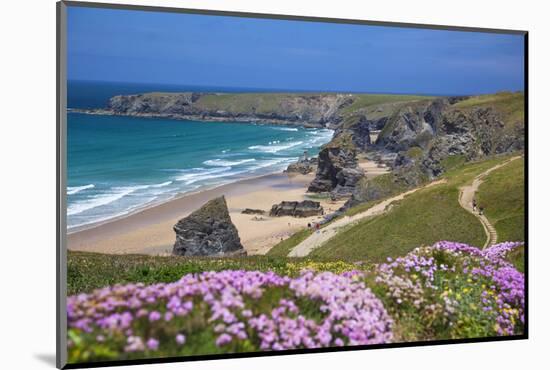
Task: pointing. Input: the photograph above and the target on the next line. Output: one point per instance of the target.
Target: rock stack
(208, 231)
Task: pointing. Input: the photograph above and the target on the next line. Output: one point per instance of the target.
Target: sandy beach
(149, 231)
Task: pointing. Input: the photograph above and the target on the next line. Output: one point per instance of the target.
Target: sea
(118, 165)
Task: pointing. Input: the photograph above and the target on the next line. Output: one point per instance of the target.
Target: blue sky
(185, 49)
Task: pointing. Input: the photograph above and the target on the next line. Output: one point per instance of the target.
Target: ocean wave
(101, 199)
(161, 185)
(286, 129)
(275, 148)
(199, 174)
(319, 137)
(76, 189)
(101, 218)
(110, 196)
(273, 163)
(225, 163)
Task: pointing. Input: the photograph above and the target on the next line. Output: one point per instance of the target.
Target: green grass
(453, 161)
(283, 248)
(372, 100)
(246, 103)
(380, 187)
(422, 218)
(88, 271)
(415, 152)
(502, 194)
(342, 141)
(517, 257)
(510, 105)
(242, 103)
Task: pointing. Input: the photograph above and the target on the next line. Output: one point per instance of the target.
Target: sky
(200, 50)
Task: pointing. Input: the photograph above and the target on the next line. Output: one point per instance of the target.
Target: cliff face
(427, 137)
(358, 127)
(311, 109)
(457, 126)
(337, 168)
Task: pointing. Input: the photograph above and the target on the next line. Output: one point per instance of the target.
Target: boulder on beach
(208, 231)
(252, 211)
(305, 208)
(303, 166)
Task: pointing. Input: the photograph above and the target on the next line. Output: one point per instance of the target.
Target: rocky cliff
(470, 128)
(428, 137)
(337, 168)
(307, 109)
(208, 231)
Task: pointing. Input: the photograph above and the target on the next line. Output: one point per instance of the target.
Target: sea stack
(337, 169)
(208, 232)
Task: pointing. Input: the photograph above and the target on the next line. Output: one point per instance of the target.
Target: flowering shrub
(228, 311)
(448, 290)
(453, 290)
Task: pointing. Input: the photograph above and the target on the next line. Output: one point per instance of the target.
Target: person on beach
(474, 205)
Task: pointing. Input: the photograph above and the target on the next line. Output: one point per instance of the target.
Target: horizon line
(288, 91)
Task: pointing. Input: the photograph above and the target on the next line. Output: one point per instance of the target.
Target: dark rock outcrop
(412, 125)
(346, 180)
(358, 128)
(303, 166)
(208, 232)
(305, 208)
(251, 211)
(337, 169)
(441, 130)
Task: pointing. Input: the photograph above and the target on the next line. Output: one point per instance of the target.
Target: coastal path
(466, 197)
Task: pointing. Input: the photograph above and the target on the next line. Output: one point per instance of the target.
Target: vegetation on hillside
(89, 271)
(380, 103)
(422, 218)
(510, 105)
(502, 194)
(283, 248)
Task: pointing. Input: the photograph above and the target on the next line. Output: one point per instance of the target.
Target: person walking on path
(474, 205)
(481, 210)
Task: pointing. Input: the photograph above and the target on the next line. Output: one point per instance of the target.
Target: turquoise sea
(117, 164)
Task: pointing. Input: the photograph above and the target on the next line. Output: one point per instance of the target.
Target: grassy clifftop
(510, 105)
